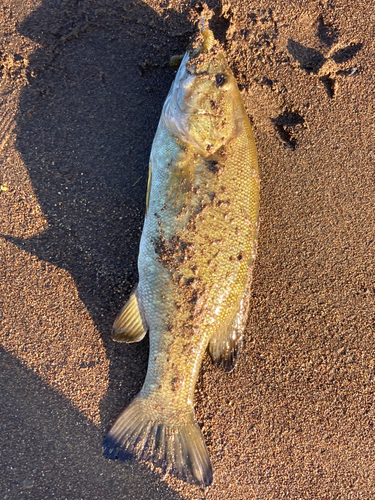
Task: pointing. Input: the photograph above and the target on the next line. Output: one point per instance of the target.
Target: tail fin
(179, 448)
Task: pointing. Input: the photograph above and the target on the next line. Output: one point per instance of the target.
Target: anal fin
(225, 345)
(129, 326)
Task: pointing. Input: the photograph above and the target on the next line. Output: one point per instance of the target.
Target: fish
(196, 257)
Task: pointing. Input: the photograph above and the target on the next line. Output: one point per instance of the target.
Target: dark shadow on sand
(84, 129)
(49, 450)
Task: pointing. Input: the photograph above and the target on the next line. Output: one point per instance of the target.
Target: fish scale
(196, 255)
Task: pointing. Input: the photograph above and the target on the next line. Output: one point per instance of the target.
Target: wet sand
(81, 90)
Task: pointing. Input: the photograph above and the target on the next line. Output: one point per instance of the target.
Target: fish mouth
(207, 43)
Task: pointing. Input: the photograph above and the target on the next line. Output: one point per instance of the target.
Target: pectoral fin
(130, 326)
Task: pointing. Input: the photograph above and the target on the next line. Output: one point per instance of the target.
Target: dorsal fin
(148, 187)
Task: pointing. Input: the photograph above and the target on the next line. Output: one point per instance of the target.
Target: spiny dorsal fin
(129, 326)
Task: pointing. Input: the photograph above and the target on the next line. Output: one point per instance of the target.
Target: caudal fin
(179, 448)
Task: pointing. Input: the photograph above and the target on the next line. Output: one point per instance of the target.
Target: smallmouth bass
(196, 255)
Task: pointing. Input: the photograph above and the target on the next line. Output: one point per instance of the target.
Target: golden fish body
(196, 254)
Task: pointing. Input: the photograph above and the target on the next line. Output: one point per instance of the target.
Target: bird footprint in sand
(328, 67)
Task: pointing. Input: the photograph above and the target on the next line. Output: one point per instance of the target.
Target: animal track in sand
(328, 67)
(287, 124)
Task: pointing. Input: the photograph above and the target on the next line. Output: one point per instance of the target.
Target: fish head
(200, 107)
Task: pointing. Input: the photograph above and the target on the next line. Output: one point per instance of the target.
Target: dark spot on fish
(213, 104)
(161, 247)
(223, 203)
(157, 215)
(180, 280)
(187, 349)
(176, 383)
(212, 197)
(193, 297)
(172, 252)
(181, 145)
(160, 223)
(199, 209)
(239, 256)
(220, 79)
(208, 147)
(213, 166)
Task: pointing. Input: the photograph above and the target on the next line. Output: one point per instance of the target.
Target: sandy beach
(82, 84)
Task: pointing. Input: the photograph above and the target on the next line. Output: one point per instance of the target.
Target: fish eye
(220, 79)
